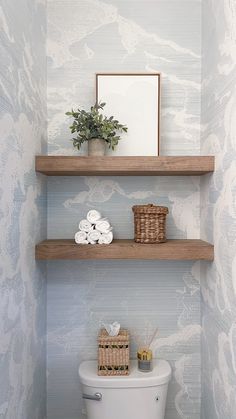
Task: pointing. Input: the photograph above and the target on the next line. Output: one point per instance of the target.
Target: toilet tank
(137, 396)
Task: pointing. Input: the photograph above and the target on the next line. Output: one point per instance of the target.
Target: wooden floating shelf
(124, 166)
(126, 249)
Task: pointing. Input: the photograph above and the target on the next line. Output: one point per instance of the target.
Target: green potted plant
(96, 128)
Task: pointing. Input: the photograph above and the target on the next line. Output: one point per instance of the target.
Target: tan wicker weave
(113, 353)
(149, 223)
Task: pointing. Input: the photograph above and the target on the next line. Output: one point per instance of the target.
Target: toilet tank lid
(160, 374)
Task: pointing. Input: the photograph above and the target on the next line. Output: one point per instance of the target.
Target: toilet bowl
(137, 396)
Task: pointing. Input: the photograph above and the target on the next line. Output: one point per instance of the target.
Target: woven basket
(149, 223)
(113, 353)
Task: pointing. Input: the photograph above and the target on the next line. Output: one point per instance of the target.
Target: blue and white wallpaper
(89, 36)
(85, 37)
(218, 210)
(192, 43)
(22, 209)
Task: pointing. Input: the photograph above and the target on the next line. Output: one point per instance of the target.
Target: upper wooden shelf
(125, 249)
(124, 166)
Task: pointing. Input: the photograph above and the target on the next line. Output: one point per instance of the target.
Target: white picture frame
(133, 99)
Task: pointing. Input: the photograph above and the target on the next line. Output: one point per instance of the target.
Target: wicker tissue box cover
(113, 353)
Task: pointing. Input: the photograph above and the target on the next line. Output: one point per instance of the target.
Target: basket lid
(150, 209)
(159, 375)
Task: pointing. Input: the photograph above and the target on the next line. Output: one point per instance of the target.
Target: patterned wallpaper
(136, 36)
(218, 210)
(89, 36)
(85, 37)
(22, 209)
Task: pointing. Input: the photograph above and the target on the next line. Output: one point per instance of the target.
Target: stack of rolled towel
(94, 230)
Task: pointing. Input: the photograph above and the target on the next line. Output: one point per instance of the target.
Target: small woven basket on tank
(149, 223)
(113, 353)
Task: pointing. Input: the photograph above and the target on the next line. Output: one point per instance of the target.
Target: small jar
(144, 356)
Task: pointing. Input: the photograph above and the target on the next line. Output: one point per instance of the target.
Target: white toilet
(137, 396)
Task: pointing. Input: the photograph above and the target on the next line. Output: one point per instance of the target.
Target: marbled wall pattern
(83, 294)
(89, 36)
(115, 196)
(85, 37)
(218, 210)
(22, 210)
(140, 295)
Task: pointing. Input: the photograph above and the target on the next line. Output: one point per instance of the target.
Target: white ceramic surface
(137, 396)
(160, 374)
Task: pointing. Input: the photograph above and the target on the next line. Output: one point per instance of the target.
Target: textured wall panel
(89, 36)
(218, 212)
(22, 209)
(85, 37)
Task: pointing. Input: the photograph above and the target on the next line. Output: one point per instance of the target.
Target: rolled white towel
(93, 236)
(101, 220)
(103, 226)
(91, 242)
(106, 238)
(85, 225)
(93, 216)
(80, 237)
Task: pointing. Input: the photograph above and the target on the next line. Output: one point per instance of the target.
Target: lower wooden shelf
(125, 249)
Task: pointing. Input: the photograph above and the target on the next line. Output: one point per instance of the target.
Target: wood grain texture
(126, 249)
(124, 166)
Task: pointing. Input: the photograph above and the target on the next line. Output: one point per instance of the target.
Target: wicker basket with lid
(149, 223)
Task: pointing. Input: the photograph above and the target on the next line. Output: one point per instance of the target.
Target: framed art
(134, 99)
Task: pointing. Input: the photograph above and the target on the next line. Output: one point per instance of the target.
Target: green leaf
(94, 124)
